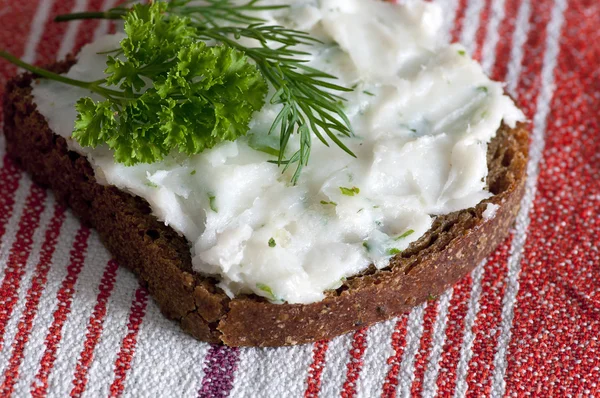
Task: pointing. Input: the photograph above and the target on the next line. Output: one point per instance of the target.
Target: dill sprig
(310, 102)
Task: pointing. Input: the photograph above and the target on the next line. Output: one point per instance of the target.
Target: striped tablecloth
(525, 323)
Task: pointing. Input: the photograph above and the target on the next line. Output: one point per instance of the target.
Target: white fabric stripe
(466, 351)
(375, 368)
(273, 372)
(166, 363)
(34, 257)
(554, 30)
(66, 46)
(488, 51)
(104, 23)
(37, 28)
(488, 56)
(75, 327)
(414, 330)
(449, 8)
(516, 54)
(336, 359)
(438, 341)
(101, 372)
(10, 233)
(34, 348)
(471, 24)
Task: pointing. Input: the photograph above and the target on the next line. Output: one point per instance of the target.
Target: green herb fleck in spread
(272, 242)
(393, 251)
(267, 290)
(350, 191)
(323, 202)
(212, 202)
(406, 234)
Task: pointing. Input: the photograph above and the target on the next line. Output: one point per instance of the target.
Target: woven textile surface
(526, 322)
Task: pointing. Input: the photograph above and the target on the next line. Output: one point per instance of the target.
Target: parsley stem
(43, 72)
(92, 86)
(110, 14)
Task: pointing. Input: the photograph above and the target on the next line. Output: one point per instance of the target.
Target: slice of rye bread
(161, 258)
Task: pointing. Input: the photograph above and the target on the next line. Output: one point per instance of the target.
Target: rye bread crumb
(161, 258)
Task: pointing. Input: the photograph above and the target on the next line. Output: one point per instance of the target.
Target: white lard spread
(423, 112)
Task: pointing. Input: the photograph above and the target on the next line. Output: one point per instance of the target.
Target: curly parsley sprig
(310, 102)
(167, 92)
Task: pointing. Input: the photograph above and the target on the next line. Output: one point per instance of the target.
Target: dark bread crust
(161, 258)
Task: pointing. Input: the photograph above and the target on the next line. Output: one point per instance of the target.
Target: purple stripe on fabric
(219, 371)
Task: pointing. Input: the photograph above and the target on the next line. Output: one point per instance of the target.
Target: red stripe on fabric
(457, 310)
(9, 183)
(422, 356)
(505, 44)
(15, 21)
(313, 381)
(125, 356)
(64, 297)
(487, 322)
(554, 349)
(395, 360)
(459, 20)
(19, 254)
(483, 29)
(86, 35)
(34, 294)
(94, 329)
(220, 365)
(354, 365)
(53, 33)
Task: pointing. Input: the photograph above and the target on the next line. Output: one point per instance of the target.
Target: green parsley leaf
(482, 89)
(369, 93)
(193, 172)
(178, 93)
(272, 242)
(462, 52)
(393, 251)
(350, 191)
